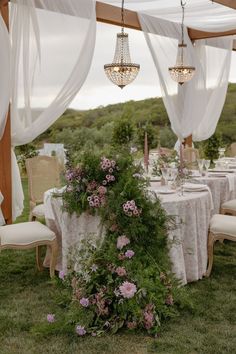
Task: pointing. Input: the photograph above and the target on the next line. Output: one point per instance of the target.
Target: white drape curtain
(193, 108)
(52, 49)
(4, 74)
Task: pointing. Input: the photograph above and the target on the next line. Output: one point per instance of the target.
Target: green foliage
(24, 152)
(211, 146)
(152, 135)
(129, 215)
(123, 132)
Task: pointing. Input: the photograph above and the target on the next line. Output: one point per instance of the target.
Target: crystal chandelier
(182, 72)
(122, 71)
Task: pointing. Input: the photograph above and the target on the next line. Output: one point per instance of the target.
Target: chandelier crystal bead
(122, 71)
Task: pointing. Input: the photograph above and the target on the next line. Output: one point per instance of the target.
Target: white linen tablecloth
(188, 241)
(222, 188)
(69, 229)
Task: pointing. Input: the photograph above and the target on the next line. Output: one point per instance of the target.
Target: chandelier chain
(183, 3)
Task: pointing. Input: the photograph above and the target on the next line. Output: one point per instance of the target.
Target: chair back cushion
(43, 173)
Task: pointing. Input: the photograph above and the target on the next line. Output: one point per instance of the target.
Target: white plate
(155, 179)
(167, 191)
(217, 174)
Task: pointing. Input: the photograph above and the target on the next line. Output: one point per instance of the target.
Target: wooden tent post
(188, 141)
(5, 151)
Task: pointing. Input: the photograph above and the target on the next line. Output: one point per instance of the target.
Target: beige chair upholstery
(233, 149)
(43, 173)
(229, 207)
(29, 235)
(221, 227)
(190, 156)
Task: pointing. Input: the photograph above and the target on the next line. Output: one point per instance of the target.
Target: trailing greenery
(126, 282)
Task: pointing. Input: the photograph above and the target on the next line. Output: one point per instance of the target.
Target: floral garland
(125, 282)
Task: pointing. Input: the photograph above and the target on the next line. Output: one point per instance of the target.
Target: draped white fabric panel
(43, 85)
(200, 14)
(193, 108)
(4, 74)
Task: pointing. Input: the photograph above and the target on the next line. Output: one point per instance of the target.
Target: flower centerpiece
(126, 282)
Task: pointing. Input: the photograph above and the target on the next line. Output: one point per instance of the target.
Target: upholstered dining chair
(27, 235)
(165, 151)
(222, 227)
(190, 155)
(228, 207)
(43, 173)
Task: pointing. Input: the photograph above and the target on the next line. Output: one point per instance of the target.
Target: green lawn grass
(26, 296)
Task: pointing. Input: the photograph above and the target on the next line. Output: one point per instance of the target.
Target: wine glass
(173, 174)
(207, 164)
(165, 175)
(200, 165)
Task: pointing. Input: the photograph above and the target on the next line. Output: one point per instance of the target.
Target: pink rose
(121, 271)
(128, 289)
(122, 241)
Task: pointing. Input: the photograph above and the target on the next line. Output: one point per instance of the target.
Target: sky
(99, 91)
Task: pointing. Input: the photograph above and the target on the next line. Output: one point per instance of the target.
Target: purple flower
(61, 275)
(84, 302)
(50, 318)
(129, 254)
(93, 334)
(80, 330)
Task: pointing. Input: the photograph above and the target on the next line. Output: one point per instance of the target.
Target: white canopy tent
(193, 109)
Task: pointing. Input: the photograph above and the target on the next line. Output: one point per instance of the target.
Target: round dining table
(187, 239)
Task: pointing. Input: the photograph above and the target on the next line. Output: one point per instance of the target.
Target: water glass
(165, 174)
(200, 165)
(207, 164)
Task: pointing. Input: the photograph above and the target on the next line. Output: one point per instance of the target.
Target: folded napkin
(47, 201)
(231, 179)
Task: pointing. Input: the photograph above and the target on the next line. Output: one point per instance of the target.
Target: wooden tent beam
(111, 14)
(228, 3)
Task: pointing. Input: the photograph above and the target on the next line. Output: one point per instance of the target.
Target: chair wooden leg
(53, 261)
(211, 241)
(32, 217)
(38, 258)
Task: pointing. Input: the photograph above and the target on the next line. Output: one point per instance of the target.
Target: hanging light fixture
(122, 71)
(182, 72)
